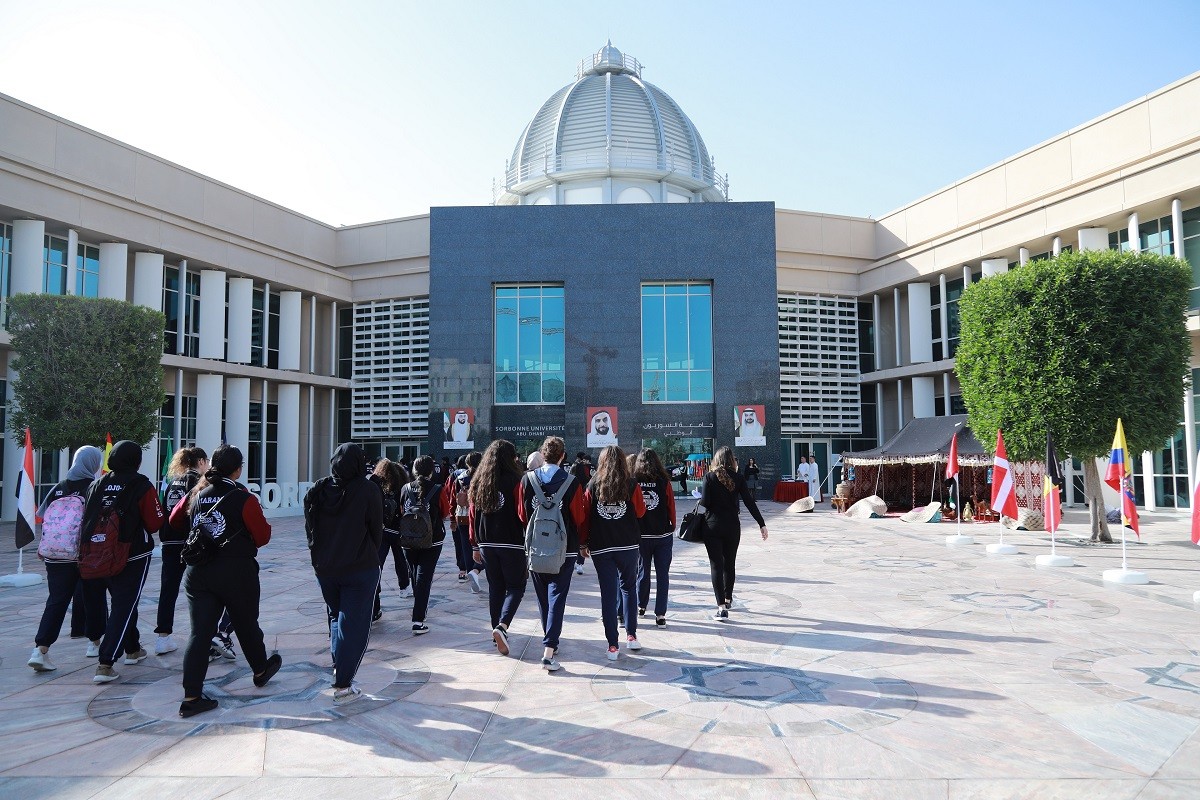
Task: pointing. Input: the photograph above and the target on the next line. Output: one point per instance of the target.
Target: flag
(952, 463)
(1004, 499)
(1051, 483)
(107, 450)
(26, 507)
(1196, 509)
(1120, 477)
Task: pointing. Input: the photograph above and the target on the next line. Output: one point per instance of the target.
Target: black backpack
(389, 512)
(416, 529)
(210, 532)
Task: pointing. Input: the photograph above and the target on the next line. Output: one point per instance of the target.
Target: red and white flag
(1004, 499)
(26, 507)
(1196, 511)
(952, 464)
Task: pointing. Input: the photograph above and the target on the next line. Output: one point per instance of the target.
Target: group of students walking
(622, 517)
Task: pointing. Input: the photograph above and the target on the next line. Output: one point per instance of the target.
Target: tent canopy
(926, 441)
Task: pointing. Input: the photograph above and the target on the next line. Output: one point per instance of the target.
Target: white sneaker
(93, 650)
(633, 643)
(613, 652)
(347, 695)
(41, 661)
(406, 594)
(165, 644)
(579, 569)
(551, 664)
(473, 577)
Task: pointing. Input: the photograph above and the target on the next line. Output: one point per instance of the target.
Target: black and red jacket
(241, 512)
(659, 520)
(612, 527)
(502, 528)
(141, 513)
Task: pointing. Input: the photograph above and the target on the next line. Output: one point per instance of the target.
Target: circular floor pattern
(758, 700)
(898, 563)
(1166, 680)
(1004, 603)
(146, 699)
(840, 542)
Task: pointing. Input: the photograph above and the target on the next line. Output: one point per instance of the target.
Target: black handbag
(691, 529)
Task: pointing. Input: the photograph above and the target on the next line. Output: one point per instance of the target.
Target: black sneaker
(190, 708)
(641, 612)
(661, 622)
(273, 665)
(419, 627)
(378, 616)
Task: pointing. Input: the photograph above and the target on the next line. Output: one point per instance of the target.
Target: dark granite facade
(602, 254)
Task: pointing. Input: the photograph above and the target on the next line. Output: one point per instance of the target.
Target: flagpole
(1125, 493)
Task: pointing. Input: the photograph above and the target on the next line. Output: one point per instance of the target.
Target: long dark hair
(226, 460)
(422, 469)
(390, 474)
(499, 459)
(724, 466)
(612, 476)
(649, 467)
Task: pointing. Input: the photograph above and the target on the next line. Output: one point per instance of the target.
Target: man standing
(814, 478)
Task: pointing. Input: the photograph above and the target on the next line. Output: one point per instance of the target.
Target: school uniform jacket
(573, 506)
(240, 512)
(612, 527)
(439, 506)
(659, 520)
(500, 529)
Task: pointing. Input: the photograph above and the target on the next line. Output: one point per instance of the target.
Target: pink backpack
(60, 528)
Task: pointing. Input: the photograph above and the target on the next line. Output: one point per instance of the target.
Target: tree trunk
(1095, 499)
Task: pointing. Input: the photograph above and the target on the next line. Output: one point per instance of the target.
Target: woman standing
(612, 537)
(424, 493)
(62, 514)
(656, 526)
(552, 588)
(390, 477)
(459, 487)
(229, 582)
(343, 519)
(497, 537)
(752, 477)
(184, 471)
(722, 525)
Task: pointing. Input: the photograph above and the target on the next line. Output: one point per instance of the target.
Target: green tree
(85, 367)
(1070, 344)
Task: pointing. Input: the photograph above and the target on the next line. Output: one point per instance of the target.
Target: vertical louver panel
(818, 365)
(390, 386)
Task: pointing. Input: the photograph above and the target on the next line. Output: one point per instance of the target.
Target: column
(966, 276)
(27, 264)
(289, 330)
(1177, 229)
(72, 261)
(1023, 256)
(114, 270)
(333, 346)
(994, 266)
(241, 311)
(237, 414)
(946, 394)
(1056, 247)
(1135, 235)
(896, 320)
(1189, 434)
(310, 472)
(923, 396)
(212, 314)
(209, 389)
(900, 403)
(879, 412)
(185, 309)
(1148, 481)
(312, 336)
(944, 316)
(1093, 238)
(920, 326)
(876, 334)
(148, 280)
(287, 471)
(177, 428)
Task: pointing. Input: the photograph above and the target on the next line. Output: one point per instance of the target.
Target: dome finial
(609, 59)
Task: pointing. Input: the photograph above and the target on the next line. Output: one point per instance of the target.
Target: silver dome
(610, 123)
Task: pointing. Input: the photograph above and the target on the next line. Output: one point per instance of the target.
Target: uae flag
(26, 508)
(1051, 484)
(1004, 499)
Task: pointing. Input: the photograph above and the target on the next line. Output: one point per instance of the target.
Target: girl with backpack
(390, 477)
(424, 495)
(722, 487)
(612, 538)
(497, 536)
(61, 513)
(228, 581)
(657, 526)
(459, 487)
(551, 587)
(183, 473)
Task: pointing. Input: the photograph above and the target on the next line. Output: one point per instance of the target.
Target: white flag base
(957, 539)
(1127, 576)
(1054, 561)
(1196, 597)
(1003, 549)
(20, 579)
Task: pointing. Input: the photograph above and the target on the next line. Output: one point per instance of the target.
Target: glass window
(258, 320)
(273, 330)
(530, 344)
(5, 259)
(87, 271)
(54, 266)
(170, 305)
(191, 309)
(677, 350)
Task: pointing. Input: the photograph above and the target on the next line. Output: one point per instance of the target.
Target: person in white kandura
(460, 430)
(814, 479)
(750, 426)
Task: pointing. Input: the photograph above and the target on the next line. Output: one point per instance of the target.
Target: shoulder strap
(538, 492)
(562, 490)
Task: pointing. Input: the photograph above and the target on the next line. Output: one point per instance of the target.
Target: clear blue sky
(360, 111)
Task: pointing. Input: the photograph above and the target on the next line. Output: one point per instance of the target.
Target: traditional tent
(909, 470)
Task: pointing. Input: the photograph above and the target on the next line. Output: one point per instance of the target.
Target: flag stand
(1124, 574)
(959, 537)
(1054, 560)
(21, 577)
(1001, 548)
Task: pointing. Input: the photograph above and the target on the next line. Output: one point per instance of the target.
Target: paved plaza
(862, 659)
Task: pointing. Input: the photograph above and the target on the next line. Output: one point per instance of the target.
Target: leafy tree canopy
(86, 367)
(1071, 344)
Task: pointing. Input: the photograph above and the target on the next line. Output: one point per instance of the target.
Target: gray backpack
(546, 533)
